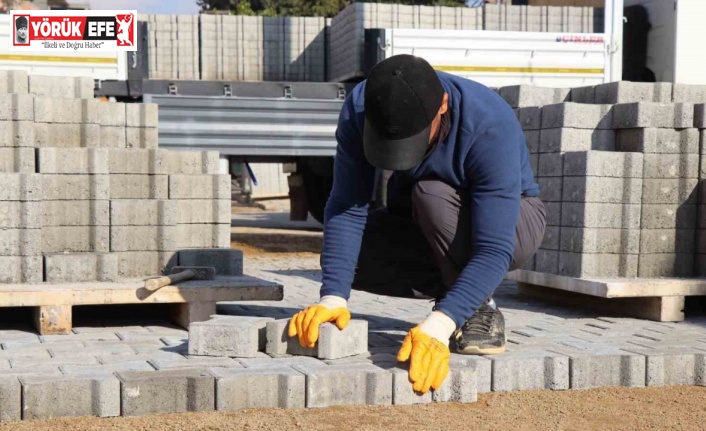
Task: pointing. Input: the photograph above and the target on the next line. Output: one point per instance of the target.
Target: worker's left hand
(428, 347)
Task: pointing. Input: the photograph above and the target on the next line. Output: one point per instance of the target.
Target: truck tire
(318, 182)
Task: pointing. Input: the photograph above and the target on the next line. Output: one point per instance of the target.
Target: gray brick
(671, 166)
(75, 213)
(700, 116)
(668, 216)
(597, 240)
(532, 370)
(73, 239)
(676, 369)
(518, 96)
(138, 161)
(200, 211)
(226, 261)
(66, 111)
(668, 241)
(17, 160)
(139, 186)
(604, 370)
(143, 238)
(67, 135)
(248, 388)
(21, 269)
(191, 162)
(689, 93)
(532, 140)
(48, 397)
(597, 265)
(577, 116)
(630, 92)
(14, 82)
(20, 242)
(20, 215)
(112, 114)
(199, 187)
(142, 137)
(143, 393)
(332, 344)
(113, 137)
(237, 337)
(194, 363)
(659, 141)
(143, 212)
(10, 400)
(203, 236)
(75, 187)
(583, 94)
(602, 190)
(666, 265)
(16, 107)
(78, 267)
(73, 161)
(347, 385)
(20, 187)
(547, 261)
(61, 87)
(646, 114)
(666, 191)
(107, 368)
(597, 215)
(550, 188)
(133, 264)
(550, 165)
(603, 164)
(530, 118)
(459, 386)
(569, 139)
(17, 133)
(551, 240)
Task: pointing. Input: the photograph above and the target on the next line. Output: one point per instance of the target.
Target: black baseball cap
(403, 94)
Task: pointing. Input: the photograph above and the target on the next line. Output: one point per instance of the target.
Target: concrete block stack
(347, 31)
(87, 196)
(174, 46)
(619, 169)
(304, 49)
(555, 19)
(210, 44)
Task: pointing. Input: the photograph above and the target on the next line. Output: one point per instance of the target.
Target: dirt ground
(673, 408)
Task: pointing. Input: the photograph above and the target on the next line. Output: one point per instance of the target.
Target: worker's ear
(444, 104)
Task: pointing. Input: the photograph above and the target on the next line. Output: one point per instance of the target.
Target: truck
(293, 123)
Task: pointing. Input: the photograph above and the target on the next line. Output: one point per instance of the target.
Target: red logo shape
(125, 30)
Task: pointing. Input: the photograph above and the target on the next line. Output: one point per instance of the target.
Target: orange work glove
(305, 324)
(427, 344)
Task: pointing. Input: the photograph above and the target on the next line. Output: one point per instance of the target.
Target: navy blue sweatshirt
(485, 153)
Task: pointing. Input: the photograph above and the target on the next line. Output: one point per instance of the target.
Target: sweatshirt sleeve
(493, 167)
(347, 208)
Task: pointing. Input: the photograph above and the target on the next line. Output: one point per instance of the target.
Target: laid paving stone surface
(550, 346)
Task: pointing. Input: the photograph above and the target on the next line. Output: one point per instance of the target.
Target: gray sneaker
(482, 334)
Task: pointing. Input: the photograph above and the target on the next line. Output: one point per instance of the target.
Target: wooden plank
(241, 288)
(660, 309)
(614, 288)
(53, 319)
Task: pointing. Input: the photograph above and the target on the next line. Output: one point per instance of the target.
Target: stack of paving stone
(86, 195)
(559, 19)
(619, 167)
(174, 46)
(347, 29)
(251, 48)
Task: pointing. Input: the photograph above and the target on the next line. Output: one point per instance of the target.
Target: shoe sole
(483, 352)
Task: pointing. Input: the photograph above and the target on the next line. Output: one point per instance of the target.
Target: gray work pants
(423, 244)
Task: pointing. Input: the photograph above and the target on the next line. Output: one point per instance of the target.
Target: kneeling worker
(463, 209)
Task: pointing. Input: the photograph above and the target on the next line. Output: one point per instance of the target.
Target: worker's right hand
(305, 324)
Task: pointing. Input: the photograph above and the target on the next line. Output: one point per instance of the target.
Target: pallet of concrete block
(174, 46)
(192, 300)
(620, 185)
(347, 30)
(554, 19)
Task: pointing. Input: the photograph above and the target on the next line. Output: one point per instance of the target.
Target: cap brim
(395, 155)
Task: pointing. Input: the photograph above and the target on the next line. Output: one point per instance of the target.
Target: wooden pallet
(192, 301)
(660, 299)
